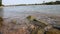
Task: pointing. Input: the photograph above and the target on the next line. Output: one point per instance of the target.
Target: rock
(48, 27)
(22, 31)
(1, 19)
(14, 21)
(57, 28)
(36, 30)
(40, 31)
(30, 18)
(1, 24)
(53, 31)
(38, 23)
(0, 33)
(32, 26)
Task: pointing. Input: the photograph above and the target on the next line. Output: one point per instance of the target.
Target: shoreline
(18, 5)
(13, 24)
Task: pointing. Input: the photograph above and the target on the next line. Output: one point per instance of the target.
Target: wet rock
(35, 30)
(56, 24)
(1, 24)
(53, 31)
(1, 19)
(39, 23)
(57, 28)
(14, 21)
(22, 30)
(36, 22)
(48, 27)
(30, 18)
(40, 31)
(45, 28)
(32, 26)
(0, 33)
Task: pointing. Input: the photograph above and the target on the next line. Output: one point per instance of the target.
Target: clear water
(22, 10)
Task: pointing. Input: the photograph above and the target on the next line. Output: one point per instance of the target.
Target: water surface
(16, 11)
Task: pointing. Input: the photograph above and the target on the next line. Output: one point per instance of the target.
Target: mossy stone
(31, 18)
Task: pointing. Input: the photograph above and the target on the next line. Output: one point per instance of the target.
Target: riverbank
(25, 5)
(25, 26)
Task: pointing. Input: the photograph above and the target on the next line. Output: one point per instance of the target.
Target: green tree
(0, 2)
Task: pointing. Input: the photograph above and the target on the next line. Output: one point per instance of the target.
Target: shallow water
(19, 11)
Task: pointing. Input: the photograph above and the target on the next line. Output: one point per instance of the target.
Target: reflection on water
(1, 12)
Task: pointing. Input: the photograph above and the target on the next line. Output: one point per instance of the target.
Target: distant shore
(17, 5)
(44, 3)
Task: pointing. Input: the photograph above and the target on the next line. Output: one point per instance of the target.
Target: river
(16, 11)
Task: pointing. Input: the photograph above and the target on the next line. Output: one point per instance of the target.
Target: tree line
(52, 3)
(0, 2)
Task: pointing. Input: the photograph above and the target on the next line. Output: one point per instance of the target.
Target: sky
(13, 2)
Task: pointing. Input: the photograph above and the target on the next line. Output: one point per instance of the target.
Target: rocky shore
(39, 24)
